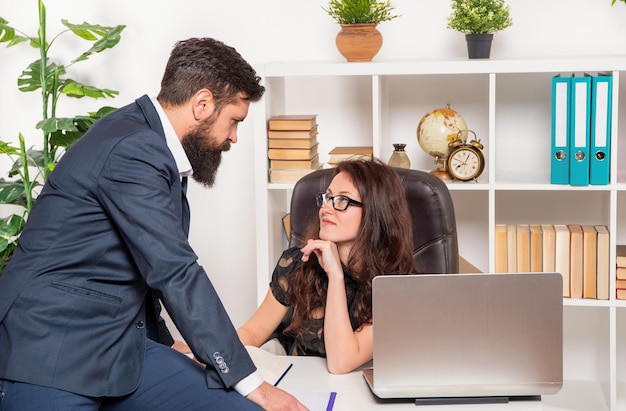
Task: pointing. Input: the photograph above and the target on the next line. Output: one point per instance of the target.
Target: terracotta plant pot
(359, 42)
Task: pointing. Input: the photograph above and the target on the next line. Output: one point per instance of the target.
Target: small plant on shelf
(480, 16)
(359, 40)
(360, 11)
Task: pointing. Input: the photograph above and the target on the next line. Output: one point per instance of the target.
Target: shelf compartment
(407, 99)
(620, 361)
(351, 125)
(472, 213)
(586, 354)
(522, 141)
(552, 207)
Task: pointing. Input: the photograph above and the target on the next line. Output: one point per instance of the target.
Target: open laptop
(467, 337)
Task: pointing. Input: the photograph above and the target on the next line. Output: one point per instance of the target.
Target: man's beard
(203, 153)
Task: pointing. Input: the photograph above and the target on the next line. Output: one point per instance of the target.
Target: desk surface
(310, 374)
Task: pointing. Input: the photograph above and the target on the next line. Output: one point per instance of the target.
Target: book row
(581, 129)
(579, 252)
(293, 148)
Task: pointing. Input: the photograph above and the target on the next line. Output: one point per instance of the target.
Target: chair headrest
(435, 244)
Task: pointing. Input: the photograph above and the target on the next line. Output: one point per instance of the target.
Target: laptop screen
(450, 335)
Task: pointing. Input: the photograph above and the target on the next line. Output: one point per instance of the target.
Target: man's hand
(274, 399)
(181, 346)
(267, 396)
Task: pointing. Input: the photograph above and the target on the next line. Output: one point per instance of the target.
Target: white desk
(353, 394)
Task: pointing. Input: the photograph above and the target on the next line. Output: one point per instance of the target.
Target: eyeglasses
(339, 202)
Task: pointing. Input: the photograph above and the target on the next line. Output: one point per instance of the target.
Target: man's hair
(199, 63)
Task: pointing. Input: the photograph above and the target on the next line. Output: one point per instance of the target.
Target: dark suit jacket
(107, 228)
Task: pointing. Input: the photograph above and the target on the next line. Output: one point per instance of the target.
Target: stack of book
(292, 147)
(342, 153)
(620, 273)
(579, 252)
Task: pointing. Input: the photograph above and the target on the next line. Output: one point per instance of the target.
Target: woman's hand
(346, 349)
(327, 255)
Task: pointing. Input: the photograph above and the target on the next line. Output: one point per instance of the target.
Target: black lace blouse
(312, 342)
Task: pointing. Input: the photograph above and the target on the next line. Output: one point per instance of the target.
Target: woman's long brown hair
(384, 244)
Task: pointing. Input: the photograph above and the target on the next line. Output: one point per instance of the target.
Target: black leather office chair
(435, 245)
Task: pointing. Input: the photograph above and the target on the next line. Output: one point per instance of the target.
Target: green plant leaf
(7, 34)
(65, 139)
(479, 16)
(110, 37)
(16, 168)
(54, 124)
(37, 158)
(11, 192)
(30, 79)
(34, 158)
(64, 124)
(10, 228)
(72, 88)
(360, 11)
(90, 32)
(66, 131)
(6, 148)
(102, 112)
(82, 123)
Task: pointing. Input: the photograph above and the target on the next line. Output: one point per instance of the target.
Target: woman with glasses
(319, 302)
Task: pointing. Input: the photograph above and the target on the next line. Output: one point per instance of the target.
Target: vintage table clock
(466, 160)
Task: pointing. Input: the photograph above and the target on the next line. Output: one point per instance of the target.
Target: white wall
(262, 31)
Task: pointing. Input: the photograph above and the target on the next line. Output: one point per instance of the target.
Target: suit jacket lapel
(152, 117)
(150, 114)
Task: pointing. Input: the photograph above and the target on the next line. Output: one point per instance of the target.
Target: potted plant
(478, 20)
(30, 165)
(359, 39)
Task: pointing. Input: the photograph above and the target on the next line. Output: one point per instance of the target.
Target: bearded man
(107, 242)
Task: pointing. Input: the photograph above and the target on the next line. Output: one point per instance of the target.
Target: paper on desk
(271, 366)
(316, 400)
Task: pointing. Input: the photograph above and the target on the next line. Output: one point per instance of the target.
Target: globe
(438, 128)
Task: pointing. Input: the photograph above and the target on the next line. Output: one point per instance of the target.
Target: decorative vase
(359, 42)
(399, 158)
(479, 45)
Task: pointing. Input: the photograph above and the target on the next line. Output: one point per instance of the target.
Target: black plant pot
(479, 45)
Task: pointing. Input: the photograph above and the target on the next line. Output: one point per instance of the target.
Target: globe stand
(441, 172)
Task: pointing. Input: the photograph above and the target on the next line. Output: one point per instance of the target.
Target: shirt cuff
(248, 384)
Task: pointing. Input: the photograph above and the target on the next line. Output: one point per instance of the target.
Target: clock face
(465, 164)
